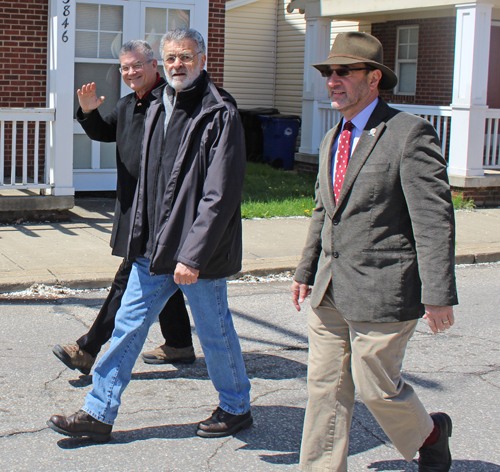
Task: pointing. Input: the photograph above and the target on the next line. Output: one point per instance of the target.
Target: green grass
(459, 203)
(270, 192)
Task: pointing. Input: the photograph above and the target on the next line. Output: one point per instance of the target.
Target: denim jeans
(173, 318)
(143, 300)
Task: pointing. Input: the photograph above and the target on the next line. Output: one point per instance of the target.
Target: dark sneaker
(169, 355)
(222, 423)
(81, 425)
(437, 456)
(74, 357)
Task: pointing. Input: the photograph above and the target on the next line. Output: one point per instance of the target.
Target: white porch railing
(439, 117)
(20, 153)
(491, 158)
(328, 117)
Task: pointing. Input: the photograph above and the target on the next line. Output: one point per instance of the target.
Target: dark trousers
(174, 318)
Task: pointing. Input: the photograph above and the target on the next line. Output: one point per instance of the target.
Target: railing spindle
(13, 154)
(35, 157)
(25, 152)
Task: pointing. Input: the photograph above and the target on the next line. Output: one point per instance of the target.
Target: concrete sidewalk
(76, 254)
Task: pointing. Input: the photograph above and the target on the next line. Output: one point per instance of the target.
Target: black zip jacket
(193, 183)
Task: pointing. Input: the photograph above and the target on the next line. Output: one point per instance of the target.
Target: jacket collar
(203, 90)
(194, 91)
(370, 135)
(150, 97)
(159, 79)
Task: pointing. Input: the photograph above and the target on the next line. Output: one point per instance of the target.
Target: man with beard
(185, 233)
(125, 126)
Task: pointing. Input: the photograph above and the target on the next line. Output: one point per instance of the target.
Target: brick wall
(23, 79)
(481, 196)
(436, 53)
(23, 53)
(216, 31)
(305, 167)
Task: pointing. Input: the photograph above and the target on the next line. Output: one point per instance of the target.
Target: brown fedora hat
(355, 47)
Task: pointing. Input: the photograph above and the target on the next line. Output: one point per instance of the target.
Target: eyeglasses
(343, 72)
(184, 58)
(137, 66)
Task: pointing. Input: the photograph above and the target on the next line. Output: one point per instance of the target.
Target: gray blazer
(388, 247)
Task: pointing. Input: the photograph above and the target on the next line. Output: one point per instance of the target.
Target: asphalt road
(458, 372)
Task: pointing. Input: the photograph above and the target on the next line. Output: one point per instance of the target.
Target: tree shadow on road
(258, 365)
(457, 466)
(276, 434)
(276, 428)
(422, 382)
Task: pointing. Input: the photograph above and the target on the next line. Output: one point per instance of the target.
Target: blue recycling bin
(280, 134)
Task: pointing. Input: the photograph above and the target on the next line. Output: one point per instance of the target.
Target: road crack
(282, 389)
(217, 450)
(16, 433)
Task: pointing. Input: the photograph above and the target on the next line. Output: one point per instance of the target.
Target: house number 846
(65, 23)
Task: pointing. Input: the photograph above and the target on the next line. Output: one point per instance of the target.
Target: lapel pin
(372, 132)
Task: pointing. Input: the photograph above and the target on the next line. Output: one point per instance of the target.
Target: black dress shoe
(437, 456)
(222, 423)
(81, 425)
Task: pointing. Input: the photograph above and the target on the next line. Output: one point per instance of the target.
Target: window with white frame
(98, 38)
(406, 60)
(101, 27)
(160, 20)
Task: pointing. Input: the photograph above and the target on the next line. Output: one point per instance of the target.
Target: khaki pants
(344, 355)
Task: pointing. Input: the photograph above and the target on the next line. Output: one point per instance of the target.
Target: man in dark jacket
(186, 232)
(125, 126)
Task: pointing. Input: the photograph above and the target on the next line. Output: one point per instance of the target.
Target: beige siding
(345, 26)
(264, 54)
(250, 54)
(289, 60)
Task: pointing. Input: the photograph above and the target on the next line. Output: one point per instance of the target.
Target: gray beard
(182, 86)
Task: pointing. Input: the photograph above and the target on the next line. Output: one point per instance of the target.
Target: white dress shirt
(359, 122)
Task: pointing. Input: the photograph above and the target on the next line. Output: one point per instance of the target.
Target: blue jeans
(143, 300)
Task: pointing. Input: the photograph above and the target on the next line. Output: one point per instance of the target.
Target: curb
(479, 258)
(259, 268)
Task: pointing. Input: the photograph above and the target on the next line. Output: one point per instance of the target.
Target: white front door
(101, 27)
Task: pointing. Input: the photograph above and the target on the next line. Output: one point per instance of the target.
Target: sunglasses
(343, 72)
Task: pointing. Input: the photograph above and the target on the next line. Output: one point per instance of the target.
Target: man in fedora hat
(380, 255)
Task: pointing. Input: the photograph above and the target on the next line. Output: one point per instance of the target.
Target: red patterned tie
(342, 158)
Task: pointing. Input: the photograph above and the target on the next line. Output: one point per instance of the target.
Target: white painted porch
(441, 118)
(16, 126)
(31, 182)
(468, 129)
(14, 143)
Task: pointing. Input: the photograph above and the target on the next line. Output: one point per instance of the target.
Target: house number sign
(65, 23)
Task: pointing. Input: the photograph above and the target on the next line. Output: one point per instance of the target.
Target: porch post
(60, 85)
(317, 47)
(470, 82)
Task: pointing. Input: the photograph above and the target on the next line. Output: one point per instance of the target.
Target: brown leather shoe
(74, 357)
(81, 425)
(222, 423)
(169, 355)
